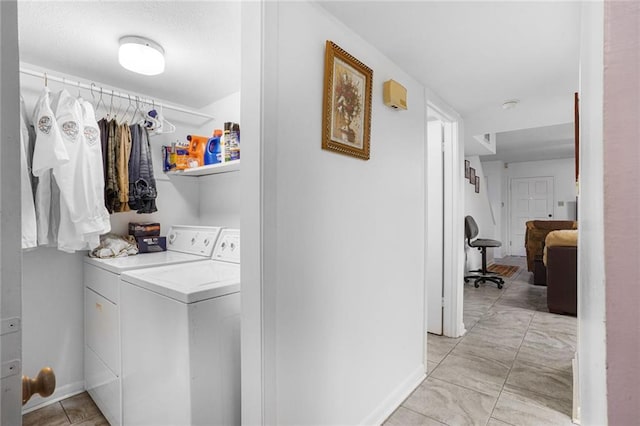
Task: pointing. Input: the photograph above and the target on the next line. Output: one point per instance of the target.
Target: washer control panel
(198, 240)
(228, 246)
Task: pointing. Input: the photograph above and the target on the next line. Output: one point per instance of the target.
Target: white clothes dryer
(181, 340)
(102, 291)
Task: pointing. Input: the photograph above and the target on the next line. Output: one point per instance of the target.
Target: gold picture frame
(346, 103)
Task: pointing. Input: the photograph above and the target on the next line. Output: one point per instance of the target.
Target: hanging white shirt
(95, 175)
(49, 152)
(79, 179)
(29, 226)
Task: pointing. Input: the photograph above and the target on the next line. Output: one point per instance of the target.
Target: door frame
(509, 206)
(10, 219)
(434, 222)
(453, 209)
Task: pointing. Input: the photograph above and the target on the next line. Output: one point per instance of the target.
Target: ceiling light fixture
(141, 55)
(510, 104)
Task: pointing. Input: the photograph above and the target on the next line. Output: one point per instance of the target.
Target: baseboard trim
(62, 392)
(396, 397)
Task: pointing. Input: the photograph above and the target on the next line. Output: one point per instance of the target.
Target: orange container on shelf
(197, 148)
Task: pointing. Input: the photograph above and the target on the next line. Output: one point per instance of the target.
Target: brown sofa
(562, 279)
(537, 231)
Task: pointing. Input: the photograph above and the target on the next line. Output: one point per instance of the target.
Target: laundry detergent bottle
(197, 148)
(213, 153)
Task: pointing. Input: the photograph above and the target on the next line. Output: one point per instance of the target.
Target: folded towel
(112, 245)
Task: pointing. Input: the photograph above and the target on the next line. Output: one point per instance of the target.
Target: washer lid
(142, 260)
(189, 282)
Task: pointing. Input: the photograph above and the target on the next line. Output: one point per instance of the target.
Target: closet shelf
(211, 169)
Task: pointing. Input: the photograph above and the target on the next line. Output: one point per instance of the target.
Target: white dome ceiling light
(510, 104)
(141, 55)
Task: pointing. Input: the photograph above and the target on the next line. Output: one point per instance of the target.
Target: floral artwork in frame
(467, 166)
(346, 104)
(472, 176)
(477, 183)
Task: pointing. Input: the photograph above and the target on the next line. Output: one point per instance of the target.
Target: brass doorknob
(44, 384)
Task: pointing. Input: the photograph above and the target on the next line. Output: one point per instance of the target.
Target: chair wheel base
(478, 279)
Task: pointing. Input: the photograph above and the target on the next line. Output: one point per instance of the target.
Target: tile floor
(513, 366)
(79, 410)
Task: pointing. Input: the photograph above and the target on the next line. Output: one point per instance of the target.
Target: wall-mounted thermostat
(394, 95)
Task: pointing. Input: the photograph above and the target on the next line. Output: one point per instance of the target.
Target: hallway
(513, 366)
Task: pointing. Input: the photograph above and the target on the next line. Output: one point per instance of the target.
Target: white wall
(477, 205)
(493, 174)
(343, 275)
(219, 195)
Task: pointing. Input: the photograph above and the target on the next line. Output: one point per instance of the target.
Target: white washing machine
(181, 341)
(102, 309)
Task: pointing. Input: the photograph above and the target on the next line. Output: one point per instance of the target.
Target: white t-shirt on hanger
(81, 179)
(49, 152)
(29, 226)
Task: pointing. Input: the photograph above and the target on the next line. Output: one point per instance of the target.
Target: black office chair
(471, 232)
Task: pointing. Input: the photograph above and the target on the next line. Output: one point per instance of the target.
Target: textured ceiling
(201, 41)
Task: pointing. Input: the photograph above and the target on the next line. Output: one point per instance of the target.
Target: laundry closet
(73, 46)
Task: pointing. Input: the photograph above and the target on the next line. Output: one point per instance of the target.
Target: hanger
(126, 111)
(164, 126)
(99, 101)
(93, 97)
(110, 106)
(46, 80)
(118, 106)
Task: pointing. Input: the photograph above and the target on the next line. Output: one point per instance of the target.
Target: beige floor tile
(496, 334)
(431, 366)
(451, 404)
(478, 346)
(519, 407)
(495, 422)
(96, 421)
(473, 372)
(549, 349)
(80, 408)
(51, 415)
(406, 417)
(439, 346)
(545, 381)
(554, 323)
(512, 315)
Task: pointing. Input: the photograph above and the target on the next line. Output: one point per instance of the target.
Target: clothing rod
(96, 87)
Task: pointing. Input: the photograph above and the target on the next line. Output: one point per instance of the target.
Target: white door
(531, 199)
(434, 225)
(10, 238)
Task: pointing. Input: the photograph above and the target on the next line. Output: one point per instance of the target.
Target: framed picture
(472, 176)
(477, 181)
(467, 166)
(346, 103)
